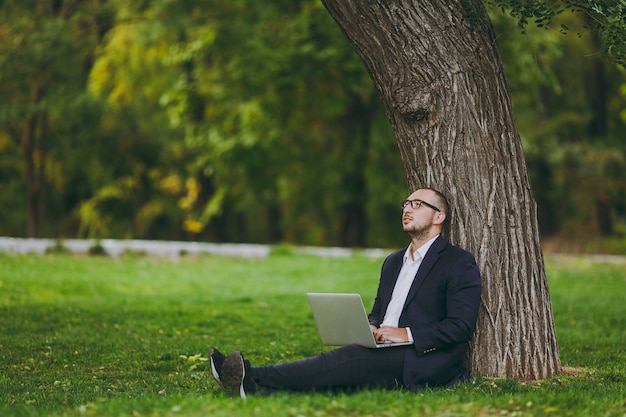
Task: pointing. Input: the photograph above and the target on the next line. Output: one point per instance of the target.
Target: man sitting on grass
(428, 294)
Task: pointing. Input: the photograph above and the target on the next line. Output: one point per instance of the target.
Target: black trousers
(347, 367)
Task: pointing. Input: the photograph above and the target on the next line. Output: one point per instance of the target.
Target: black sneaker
(217, 361)
(235, 376)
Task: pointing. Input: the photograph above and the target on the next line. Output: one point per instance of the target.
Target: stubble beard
(418, 233)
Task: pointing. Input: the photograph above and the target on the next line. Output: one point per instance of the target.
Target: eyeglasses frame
(413, 204)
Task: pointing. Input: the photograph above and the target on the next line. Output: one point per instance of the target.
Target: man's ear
(440, 217)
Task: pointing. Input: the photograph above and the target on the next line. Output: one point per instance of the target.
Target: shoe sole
(216, 375)
(233, 374)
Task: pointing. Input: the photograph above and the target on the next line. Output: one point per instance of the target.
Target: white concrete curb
(170, 249)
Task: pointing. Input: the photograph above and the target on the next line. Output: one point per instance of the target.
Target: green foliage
(130, 336)
(97, 249)
(568, 106)
(255, 121)
(541, 13)
(45, 52)
(58, 248)
(255, 88)
(606, 18)
(609, 16)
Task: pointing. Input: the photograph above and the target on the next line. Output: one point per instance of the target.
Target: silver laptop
(341, 320)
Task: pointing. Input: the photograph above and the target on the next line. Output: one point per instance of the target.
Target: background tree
(47, 52)
(250, 90)
(568, 107)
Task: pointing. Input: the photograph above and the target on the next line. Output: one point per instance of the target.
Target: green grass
(91, 336)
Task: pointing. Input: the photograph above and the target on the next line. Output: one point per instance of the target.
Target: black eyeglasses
(416, 204)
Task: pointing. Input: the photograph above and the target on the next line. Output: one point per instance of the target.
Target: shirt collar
(421, 250)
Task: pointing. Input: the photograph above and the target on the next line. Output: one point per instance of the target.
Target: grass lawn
(92, 336)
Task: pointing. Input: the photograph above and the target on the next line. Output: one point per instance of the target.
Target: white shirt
(410, 264)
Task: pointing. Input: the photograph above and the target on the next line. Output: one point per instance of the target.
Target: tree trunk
(34, 156)
(597, 95)
(29, 168)
(439, 74)
(353, 213)
(41, 174)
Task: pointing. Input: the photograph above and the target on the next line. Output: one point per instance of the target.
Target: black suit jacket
(441, 310)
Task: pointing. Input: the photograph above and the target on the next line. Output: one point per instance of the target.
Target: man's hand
(390, 334)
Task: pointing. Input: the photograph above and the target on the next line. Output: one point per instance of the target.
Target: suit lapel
(427, 263)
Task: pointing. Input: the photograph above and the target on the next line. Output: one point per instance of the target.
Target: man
(428, 294)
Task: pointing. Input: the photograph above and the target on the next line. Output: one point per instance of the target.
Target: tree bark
(41, 174)
(439, 74)
(35, 153)
(29, 168)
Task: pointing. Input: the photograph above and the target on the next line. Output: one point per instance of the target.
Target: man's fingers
(393, 334)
